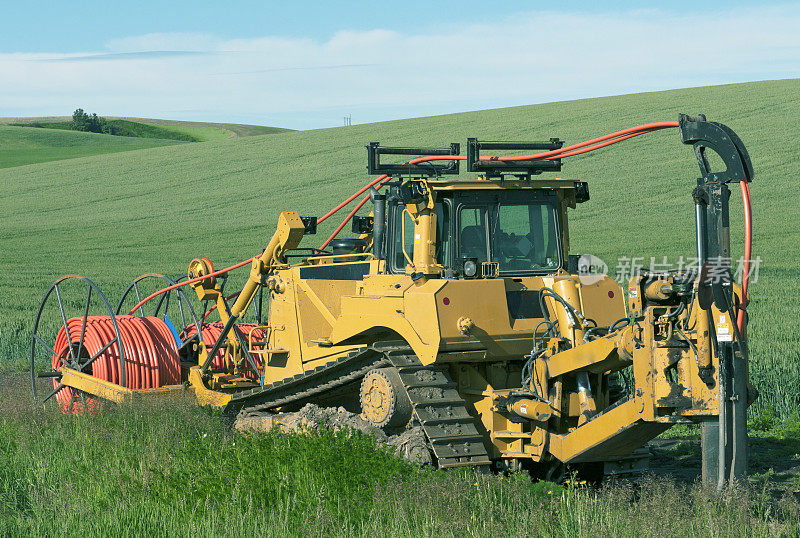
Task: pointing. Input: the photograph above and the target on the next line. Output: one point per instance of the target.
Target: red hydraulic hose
(190, 281)
(568, 151)
(748, 248)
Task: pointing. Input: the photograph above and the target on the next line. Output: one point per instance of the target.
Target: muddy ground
(408, 444)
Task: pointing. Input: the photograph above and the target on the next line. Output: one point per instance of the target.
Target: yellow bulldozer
(456, 306)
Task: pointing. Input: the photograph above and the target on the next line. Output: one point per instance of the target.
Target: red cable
(647, 127)
(587, 146)
(350, 199)
(151, 355)
(190, 281)
(748, 247)
(562, 152)
(228, 298)
(598, 146)
(211, 332)
(351, 214)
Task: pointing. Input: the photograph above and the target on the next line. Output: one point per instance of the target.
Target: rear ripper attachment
(457, 309)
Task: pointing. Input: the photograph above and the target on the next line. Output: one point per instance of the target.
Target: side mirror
(362, 224)
(310, 223)
(581, 192)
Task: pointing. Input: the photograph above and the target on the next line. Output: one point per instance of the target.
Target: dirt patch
(409, 444)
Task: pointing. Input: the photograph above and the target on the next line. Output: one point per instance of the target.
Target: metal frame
(74, 356)
(375, 167)
(522, 169)
(163, 300)
(724, 439)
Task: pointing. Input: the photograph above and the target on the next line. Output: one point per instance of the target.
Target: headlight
(470, 268)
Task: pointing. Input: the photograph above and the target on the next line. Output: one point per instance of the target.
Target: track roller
(384, 400)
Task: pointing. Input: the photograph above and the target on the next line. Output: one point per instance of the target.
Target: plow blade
(608, 436)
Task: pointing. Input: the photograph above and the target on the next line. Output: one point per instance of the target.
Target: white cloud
(159, 42)
(382, 74)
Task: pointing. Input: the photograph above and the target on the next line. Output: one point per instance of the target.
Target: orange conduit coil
(151, 355)
(210, 333)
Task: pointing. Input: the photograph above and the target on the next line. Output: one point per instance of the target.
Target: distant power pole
(348, 120)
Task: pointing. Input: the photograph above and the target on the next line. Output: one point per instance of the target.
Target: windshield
(517, 230)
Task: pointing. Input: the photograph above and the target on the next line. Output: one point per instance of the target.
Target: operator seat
(473, 242)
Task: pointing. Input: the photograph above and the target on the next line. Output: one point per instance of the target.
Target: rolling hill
(25, 145)
(112, 217)
(201, 131)
(21, 145)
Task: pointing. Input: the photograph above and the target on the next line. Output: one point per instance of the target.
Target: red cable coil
(151, 354)
(210, 333)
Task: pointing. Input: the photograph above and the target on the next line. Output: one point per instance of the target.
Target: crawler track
(450, 429)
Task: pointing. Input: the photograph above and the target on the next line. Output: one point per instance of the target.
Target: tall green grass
(174, 470)
(115, 216)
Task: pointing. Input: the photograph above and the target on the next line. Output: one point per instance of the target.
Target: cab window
(516, 229)
(443, 236)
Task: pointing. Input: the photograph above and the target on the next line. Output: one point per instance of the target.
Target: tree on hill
(81, 121)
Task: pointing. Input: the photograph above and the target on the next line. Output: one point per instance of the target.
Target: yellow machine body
(458, 307)
(480, 332)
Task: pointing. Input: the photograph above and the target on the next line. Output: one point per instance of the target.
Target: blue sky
(307, 64)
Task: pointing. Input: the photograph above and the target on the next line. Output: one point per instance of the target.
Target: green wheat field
(111, 210)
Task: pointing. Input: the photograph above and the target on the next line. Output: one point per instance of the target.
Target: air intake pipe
(378, 222)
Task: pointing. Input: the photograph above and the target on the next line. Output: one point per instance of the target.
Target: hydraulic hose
(568, 151)
(748, 248)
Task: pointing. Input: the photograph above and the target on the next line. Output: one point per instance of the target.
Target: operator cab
(504, 224)
(498, 233)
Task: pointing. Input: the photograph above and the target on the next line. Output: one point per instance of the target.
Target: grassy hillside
(204, 131)
(199, 131)
(115, 216)
(120, 128)
(25, 145)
